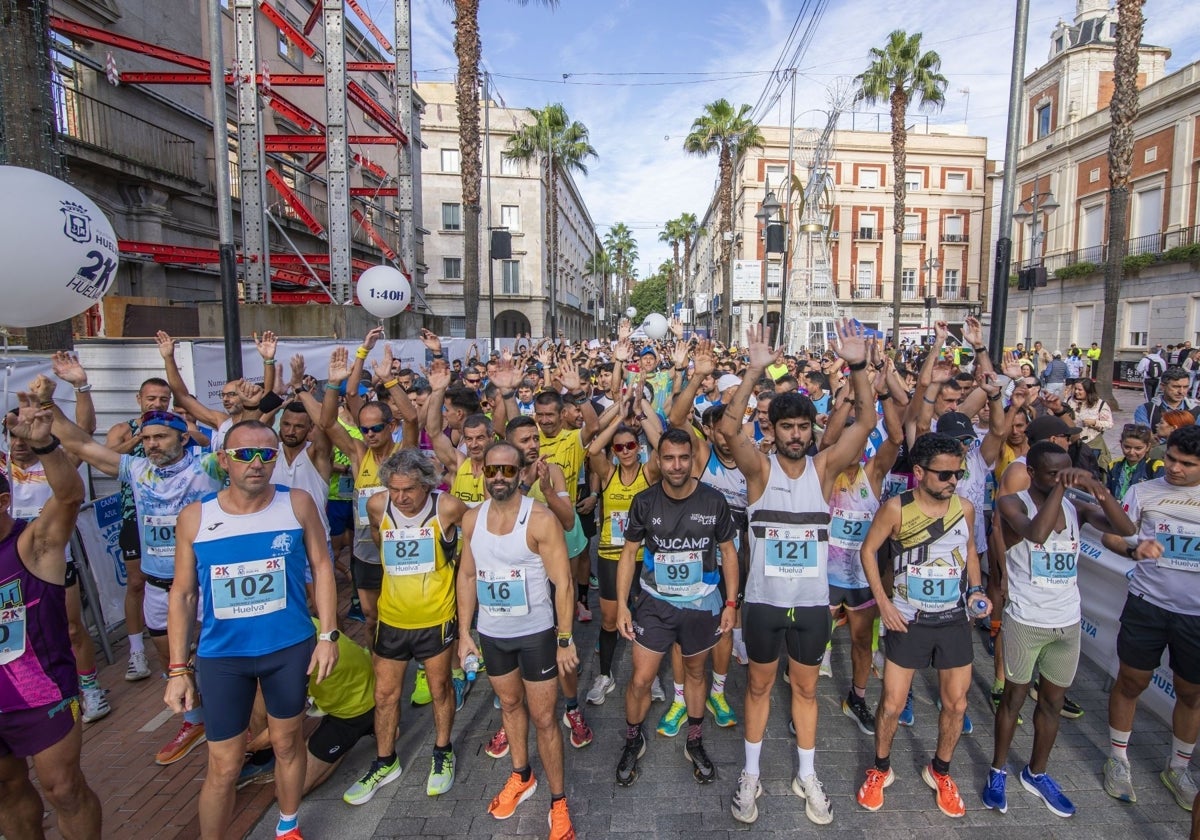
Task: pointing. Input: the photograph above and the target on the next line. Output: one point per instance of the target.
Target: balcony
(85, 121)
(952, 294)
(866, 233)
(914, 236)
(955, 238)
(1151, 244)
(910, 293)
(864, 291)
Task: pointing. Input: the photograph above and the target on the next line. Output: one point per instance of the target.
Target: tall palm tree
(1123, 112)
(468, 48)
(673, 233)
(563, 144)
(623, 250)
(729, 133)
(901, 74)
(691, 232)
(600, 264)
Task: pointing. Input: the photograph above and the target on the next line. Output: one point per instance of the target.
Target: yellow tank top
(366, 485)
(565, 449)
(467, 486)
(615, 500)
(418, 570)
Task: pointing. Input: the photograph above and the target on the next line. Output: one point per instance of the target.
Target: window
(511, 274)
(912, 227)
(777, 174)
(1137, 324)
(956, 182)
(950, 288)
(1042, 120)
(868, 179)
(457, 325)
(908, 283)
(864, 284)
(235, 161)
(1151, 154)
(954, 229)
(914, 181)
(285, 47)
(1091, 235)
(451, 268)
(509, 166)
(451, 217)
(450, 160)
(1147, 219)
(1094, 175)
(1085, 325)
(1194, 319)
(510, 217)
(1058, 44)
(774, 279)
(866, 225)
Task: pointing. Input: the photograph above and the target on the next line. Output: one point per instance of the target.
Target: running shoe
(906, 714)
(1047, 790)
(94, 703)
(581, 733)
(257, 774)
(420, 693)
(996, 697)
(870, 795)
(855, 708)
(355, 612)
(722, 714)
(817, 806)
(826, 668)
(138, 668)
(878, 660)
(511, 795)
(582, 614)
(1181, 784)
(657, 695)
(672, 720)
(495, 701)
(740, 654)
(461, 686)
(1118, 781)
(378, 775)
(441, 772)
(744, 806)
(627, 767)
(948, 800)
(1070, 709)
(995, 795)
(702, 767)
(498, 746)
(560, 819)
(593, 582)
(189, 736)
(601, 688)
(290, 834)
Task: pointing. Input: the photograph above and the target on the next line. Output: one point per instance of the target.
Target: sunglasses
(506, 470)
(228, 394)
(159, 416)
(625, 447)
(472, 381)
(373, 430)
(946, 475)
(246, 454)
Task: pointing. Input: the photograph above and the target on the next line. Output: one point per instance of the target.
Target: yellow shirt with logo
(467, 486)
(567, 450)
(417, 601)
(615, 500)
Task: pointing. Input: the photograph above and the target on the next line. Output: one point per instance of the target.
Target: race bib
(618, 521)
(1180, 545)
(847, 528)
(1053, 564)
(345, 486)
(502, 593)
(793, 552)
(934, 588)
(363, 495)
(27, 513)
(246, 590)
(989, 491)
(408, 551)
(158, 535)
(12, 622)
(893, 485)
(679, 573)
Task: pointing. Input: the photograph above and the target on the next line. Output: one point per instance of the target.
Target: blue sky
(638, 122)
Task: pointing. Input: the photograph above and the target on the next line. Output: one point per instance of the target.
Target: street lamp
(768, 217)
(930, 265)
(1031, 211)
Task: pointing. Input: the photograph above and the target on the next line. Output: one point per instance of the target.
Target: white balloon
(655, 326)
(383, 291)
(60, 252)
(631, 312)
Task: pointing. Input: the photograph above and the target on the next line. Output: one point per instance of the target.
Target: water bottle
(979, 607)
(471, 666)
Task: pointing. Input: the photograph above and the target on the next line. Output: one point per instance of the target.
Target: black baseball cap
(1044, 428)
(955, 424)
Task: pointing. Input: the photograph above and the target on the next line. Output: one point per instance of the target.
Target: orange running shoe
(948, 800)
(513, 794)
(870, 795)
(560, 821)
(294, 834)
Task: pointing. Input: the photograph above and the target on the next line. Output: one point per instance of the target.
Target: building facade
(519, 287)
(1065, 155)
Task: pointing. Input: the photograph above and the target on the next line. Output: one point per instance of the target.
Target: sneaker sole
(929, 780)
(182, 755)
(132, 677)
(633, 776)
(819, 819)
(432, 792)
(370, 794)
(862, 727)
(728, 722)
(260, 779)
(753, 815)
(1045, 802)
(696, 772)
(887, 783)
(491, 754)
(1181, 801)
(525, 794)
(567, 724)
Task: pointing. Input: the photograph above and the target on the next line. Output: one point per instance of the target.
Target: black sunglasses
(946, 475)
(506, 470)
(376, 429)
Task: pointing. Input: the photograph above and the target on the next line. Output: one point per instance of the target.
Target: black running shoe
(1071, 710)
(855, 708)
(627, 767)
(702, 767)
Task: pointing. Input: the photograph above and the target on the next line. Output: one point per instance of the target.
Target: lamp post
(768, 217)
(1031, 210)
(930, 266)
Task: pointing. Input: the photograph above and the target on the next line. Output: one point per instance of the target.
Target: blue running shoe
(994, 795)
(1046, 789)
(906, 716)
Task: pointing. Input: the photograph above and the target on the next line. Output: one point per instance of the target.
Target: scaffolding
(327, 276)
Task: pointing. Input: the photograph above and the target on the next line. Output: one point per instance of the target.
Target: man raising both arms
(787, 588)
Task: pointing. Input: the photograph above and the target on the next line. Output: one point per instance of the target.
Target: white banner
(1104, 584)
(747, 280)
(100, 529)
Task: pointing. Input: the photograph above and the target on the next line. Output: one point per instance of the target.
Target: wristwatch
(331, 636)
(566, 641)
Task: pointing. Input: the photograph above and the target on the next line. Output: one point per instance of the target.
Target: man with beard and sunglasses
(787, 588)
(513, 552)
(164, 482)
(930, 531)
(242, 557)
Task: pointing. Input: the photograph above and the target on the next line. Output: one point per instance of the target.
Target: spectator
(1136, 466)
(1093, 358)
(1075, 366)
(1172, 396)
(1054, 375)
(1151, 368)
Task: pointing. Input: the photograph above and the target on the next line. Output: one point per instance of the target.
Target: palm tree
(1123, 111)
(901, 74)
(729, 133)
(673, 233)
(600, 264)
(468, 48)
(623, 251)
(691, 231)
(564, 145)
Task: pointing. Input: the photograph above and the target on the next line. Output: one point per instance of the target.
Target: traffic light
(1031, 278)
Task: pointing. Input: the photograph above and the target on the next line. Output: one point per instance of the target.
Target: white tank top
(789, 541)
(510, 580)
(217, 442)
(302, 474)
(852, 506)
(973, 488)
(1043, 581)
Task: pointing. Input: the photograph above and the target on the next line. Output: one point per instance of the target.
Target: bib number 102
(250, 586)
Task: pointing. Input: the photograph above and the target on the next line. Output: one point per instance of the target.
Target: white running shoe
(138, 668)
(656, 690)
(817, 806)
(826, 669)
(94, 703)
(601, 688)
